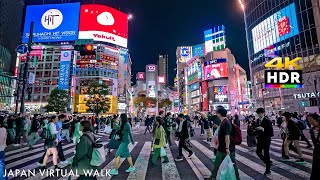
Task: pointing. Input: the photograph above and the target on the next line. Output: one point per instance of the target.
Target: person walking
(10, 130)
(207, 128)
(65, 131)
(251, 134)
(201, 123)
(264, 134)
(226, 146)
(84, 149)
(293, 136)
(77, 132)
(115, 126)
(61, 118)
(314, 121)
(168, 128)
(302, 126)
(236, 120)
(123, 150)
(183, 137)
(34, 136)
(26, 128)
(159, 143)
(3, 145)
(19, 129)
(148, 123)
(51, 143)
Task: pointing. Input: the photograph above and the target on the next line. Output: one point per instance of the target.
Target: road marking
(278, 142)
(169, 170)
(23, 149)
(141, 163)
(197, 166)
(210, 154)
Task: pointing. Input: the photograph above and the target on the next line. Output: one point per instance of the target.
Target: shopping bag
(107, 129)
(163, 152)
(215, 140)
(226, 170)
(98, 156)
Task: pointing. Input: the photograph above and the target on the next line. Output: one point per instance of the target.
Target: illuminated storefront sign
(226, 106)
(215, 61)
(278, 27)
(195, 93)
(141, 76)
(215, 39)
(306, 95)
(216, 71)
(220, 98)
(64, 71)
(151, 68)
(194, 86)
(193, 78)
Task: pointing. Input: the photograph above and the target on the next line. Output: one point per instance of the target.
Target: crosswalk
(198, 166)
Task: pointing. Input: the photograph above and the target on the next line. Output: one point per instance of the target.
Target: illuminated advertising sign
(185, 52)
(191, 79)
(195, 93)
(220, 94)
(216, 71)
(141, 76)
(52, 22)
(278, 27)
(152, 89)
(226, 106)
(151, 68)
(64, 72)
(215, 61)
(214, 39)
(195, 100)
(198, 50)
(103, 23)
(161, 80)
(194, 86)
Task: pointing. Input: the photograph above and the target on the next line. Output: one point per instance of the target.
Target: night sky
(159, 26)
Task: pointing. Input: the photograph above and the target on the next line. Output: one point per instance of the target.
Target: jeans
(168, 137)
(19, 133)
(202, 129)
(11, 134)
(265, 157)
(217, 162)
(182, 144)
(65, 133)
(2, 165)
(156, 155)
(25, 136)
(34, 138)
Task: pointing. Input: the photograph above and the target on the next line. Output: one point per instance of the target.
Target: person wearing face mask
(314, 121)
(264, 131)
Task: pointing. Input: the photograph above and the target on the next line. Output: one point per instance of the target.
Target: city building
(10, 29)
(289, 28)
(163, 67)
(57, 63)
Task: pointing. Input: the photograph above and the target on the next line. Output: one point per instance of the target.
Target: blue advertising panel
(64, 71)
(198, 50)
(215, 61)
(194, 86)
(208, 35)
(52, 22)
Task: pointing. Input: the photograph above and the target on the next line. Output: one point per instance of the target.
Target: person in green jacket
(115, 126)
(123, 150)
(159, 142)
(76, 134)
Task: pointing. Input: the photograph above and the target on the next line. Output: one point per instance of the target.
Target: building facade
(163, 67)
(288, 28)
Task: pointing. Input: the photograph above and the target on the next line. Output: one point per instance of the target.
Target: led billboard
(161, 80)
(52, 22)
(152, 89)
(278, 27)
(214, 39)
(198, 50)
(141, 76)
(216, 71)
(103, 23)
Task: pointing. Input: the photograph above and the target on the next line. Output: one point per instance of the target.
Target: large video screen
(52, 22)
(278, 27)
(103, 23)
(216, 71)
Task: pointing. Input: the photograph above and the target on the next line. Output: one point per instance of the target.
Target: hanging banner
(64, 71)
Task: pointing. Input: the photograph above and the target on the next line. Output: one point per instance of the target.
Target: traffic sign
(22, 49)
(83, 41)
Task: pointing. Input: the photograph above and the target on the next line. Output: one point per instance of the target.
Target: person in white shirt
(3, 145)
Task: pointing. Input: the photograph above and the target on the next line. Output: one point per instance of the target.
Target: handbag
(48, 136)
(163, 152)
(113, 144)
(156, 141)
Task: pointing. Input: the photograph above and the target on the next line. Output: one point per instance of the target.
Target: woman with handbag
(314, 121)
(113, 143)
(159, 143)
(125, 136)
(51, 142)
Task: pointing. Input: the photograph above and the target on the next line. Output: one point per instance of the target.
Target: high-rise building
(10, 31)
(163, 67)
(288, 28)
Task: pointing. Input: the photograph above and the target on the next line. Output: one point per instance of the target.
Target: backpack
(279, 121)
(46, 134)
(98, 155)
(168, 124)
(302, 126)
(236, 134)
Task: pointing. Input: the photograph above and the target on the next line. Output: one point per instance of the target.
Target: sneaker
(179, 159)
(114, 172)
(130, 169)
(39, 164)
(190, 154)
(165, 161)
(30, 148)
(300, 161)
(285, 158)
(64, 162)
(15, 145)
(267, 173)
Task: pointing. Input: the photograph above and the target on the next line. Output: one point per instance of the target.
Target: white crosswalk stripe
(25, 159)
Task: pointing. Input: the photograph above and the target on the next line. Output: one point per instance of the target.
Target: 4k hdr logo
(286, 75)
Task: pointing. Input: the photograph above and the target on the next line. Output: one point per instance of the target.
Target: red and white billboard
(141, 76)
(216, 71)
(161, 80)
(103, 23)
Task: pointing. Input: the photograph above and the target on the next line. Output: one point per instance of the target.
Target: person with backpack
(314, 121)
(264, 131)
(294, 134)
(84, 149)
(125, 136)
(302, 126)
(168, 127)
(3, 145)
(226, 144)
(19, 129)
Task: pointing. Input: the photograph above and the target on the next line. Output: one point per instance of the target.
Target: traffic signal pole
(26, 69)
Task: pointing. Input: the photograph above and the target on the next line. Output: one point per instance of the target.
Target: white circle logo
(51, 19)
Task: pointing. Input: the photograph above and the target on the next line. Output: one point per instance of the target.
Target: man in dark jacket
(34, 136)
(184, 136)
(148, 124)
(19, 129)
(264, 135)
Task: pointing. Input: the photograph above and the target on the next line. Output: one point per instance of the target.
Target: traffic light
(85, 49)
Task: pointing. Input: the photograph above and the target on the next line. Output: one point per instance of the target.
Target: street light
(241, 4)
(130, 16)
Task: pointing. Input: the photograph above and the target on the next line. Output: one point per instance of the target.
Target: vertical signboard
(64, 71)
(123, 59)
(152, 89)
